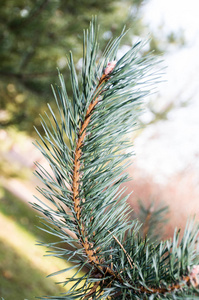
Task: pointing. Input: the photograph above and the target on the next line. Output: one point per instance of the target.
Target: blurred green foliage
(23, 215)
(35, 38)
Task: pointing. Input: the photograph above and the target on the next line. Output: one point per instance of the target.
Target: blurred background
(35, 38)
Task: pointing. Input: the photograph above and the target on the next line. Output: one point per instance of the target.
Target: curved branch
(164, 290)
(76, 176)
(87, 245)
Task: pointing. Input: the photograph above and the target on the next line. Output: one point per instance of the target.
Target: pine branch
(86, 147)
(88, 246)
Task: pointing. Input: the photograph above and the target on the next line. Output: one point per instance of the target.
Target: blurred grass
(20, 280)
(21, 213)
(22, 266)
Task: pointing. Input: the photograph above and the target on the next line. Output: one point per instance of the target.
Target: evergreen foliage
(35, 37)
(86, 148)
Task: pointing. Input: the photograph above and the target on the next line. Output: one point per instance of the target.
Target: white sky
(173, 145)
(175, 14)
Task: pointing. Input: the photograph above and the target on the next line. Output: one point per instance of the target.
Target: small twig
(111, 257)
(126, 253)
(93, 290)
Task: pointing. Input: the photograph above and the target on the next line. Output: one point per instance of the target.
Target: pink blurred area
(180, 194)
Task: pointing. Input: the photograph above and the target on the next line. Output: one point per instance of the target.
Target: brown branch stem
(162, 290)
(76, 176)
(87, 245)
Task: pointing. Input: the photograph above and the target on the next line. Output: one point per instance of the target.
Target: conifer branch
(86, 148)
(92, 256)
